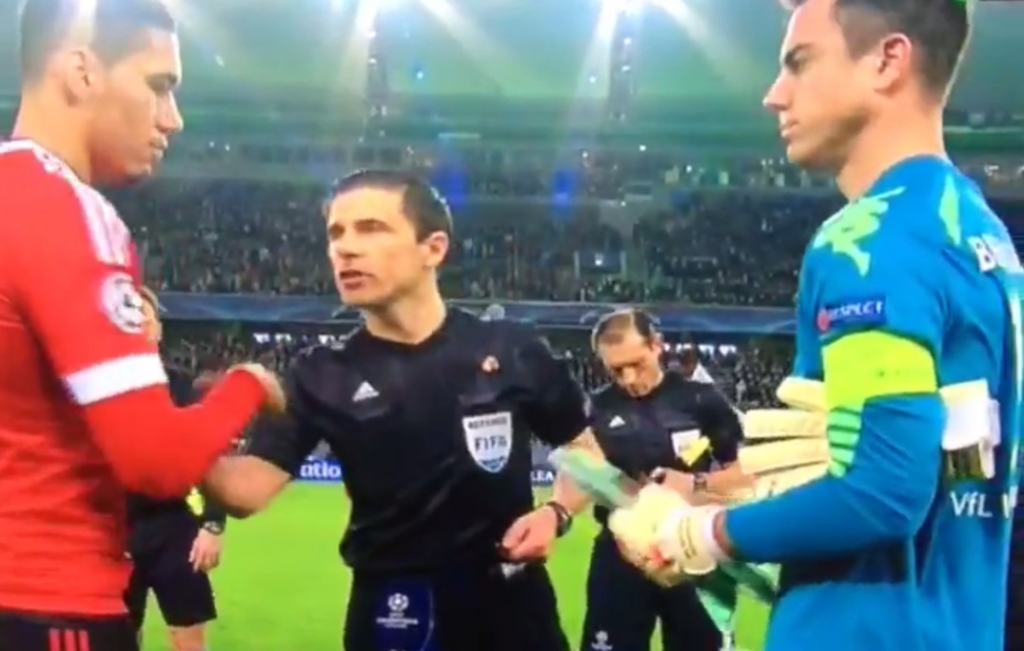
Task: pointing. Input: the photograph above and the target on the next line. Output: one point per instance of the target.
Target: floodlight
(624, 6)
(386, 5)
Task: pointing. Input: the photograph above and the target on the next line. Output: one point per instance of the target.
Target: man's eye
(372, 226)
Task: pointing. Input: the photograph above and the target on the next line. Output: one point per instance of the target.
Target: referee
(647, 420)
(430, 411)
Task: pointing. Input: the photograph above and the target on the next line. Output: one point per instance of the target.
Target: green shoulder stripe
(865, 365)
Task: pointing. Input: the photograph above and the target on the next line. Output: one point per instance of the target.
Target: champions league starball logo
(397, 603)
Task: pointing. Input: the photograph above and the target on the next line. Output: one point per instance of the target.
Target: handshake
(664, 531)
(275, 400)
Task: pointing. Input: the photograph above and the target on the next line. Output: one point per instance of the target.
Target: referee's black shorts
(160, 548)
(468, 610)
(623, 607)
(28, 632)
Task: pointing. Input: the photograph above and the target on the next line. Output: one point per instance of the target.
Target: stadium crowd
(748, 374)
(726, 248)
(706, 247)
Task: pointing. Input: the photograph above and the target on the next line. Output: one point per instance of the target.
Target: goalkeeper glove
(664, 536)
(784, 447)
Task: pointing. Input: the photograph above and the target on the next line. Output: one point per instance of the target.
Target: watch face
(563, 526)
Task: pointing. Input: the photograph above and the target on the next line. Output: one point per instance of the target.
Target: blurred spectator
(748, 374)
(729, 248)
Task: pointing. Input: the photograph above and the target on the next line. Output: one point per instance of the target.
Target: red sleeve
(74, 280)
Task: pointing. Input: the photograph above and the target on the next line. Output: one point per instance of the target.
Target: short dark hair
(422, 204)
(117, 26)
(939, 29)
(612, 327)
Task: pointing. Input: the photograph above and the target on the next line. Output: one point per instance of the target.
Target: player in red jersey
(77, 374)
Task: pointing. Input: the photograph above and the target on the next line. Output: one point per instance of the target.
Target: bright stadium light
(385, 5)
(624, 6)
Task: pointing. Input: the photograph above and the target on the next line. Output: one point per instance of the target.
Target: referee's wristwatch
(700, 483)
(563, 516)
(216, 528)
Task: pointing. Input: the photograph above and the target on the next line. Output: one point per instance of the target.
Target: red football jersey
(71, 334)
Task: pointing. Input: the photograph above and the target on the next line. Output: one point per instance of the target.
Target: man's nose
(344, 248)
(775, 99)
(170, 120)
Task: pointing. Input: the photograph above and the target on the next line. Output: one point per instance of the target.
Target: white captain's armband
(972, 431)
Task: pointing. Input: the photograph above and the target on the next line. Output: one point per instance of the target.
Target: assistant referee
(645, 420)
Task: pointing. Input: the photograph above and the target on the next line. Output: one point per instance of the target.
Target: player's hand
(205, 554)
(275, 400)
(531, 537)
(664, 536)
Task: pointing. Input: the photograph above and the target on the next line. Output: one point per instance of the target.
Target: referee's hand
(205, 553)
(680, 482)
(532, 536)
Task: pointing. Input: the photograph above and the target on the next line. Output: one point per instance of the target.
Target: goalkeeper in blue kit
(908, 313)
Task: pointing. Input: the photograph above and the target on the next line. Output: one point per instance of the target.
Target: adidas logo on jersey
(364, 392)
(616, 422)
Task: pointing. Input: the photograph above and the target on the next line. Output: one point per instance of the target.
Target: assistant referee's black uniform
(639, 435)
(161, 534)
(434, 440)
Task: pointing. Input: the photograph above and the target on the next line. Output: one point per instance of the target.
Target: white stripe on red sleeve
(115, 377)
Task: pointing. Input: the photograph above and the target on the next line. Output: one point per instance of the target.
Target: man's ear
(657, 342)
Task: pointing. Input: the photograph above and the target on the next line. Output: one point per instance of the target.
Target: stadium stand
(706, 247)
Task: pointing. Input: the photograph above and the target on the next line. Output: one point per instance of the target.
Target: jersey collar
(52, 161)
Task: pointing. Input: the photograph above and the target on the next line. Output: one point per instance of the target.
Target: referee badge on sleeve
(489, 439)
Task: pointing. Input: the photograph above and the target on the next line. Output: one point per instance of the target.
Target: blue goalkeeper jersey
(920, 270)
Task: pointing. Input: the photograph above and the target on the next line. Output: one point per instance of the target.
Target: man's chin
(361, 301)
(805, 157)
(127, 177)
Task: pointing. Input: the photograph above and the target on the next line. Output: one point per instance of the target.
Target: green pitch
(282, 586)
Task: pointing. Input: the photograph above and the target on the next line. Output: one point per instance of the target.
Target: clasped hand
(665, 536)
(275, 400)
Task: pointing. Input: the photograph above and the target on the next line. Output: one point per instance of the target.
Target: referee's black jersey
(661, 429)
(434, 439)
(141, 507)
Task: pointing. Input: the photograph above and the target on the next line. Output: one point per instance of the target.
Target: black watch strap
(563, 515)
